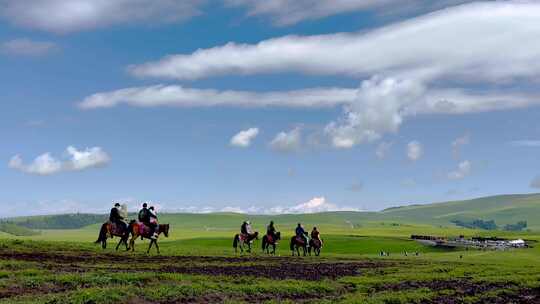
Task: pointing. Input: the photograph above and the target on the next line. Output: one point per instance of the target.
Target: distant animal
(110, 230)
(268, 241)
(298, 242)
(244, 239)
(138, 229)
(315, 246)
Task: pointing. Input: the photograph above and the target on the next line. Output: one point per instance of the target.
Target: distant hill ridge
(503, 209)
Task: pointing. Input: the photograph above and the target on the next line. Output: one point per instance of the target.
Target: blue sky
(345, 105)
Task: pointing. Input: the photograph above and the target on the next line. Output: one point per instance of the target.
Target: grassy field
(197, 263)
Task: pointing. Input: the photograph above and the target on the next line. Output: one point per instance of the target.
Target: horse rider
(153, 221)
(117, 219)
(144, 217)
(271, 231)
(245, 229)
(316, 235)
(300, 232)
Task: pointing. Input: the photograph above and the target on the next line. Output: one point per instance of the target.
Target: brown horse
(241, 241)
(315, 245)
(268, 241)
(297, 243)
(135, 230)
(108, 231)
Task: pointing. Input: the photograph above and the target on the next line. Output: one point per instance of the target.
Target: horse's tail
(292, 243)
(235, 241)
(102, 234)
(264, 240)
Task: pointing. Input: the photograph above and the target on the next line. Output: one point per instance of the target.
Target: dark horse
(135, 230)
(268, 241)
(240, 241)
(297, 243)
(316, 246)
(107, 231)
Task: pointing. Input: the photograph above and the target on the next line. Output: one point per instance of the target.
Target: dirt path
(268, 267)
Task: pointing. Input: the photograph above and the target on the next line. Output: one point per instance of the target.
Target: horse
(240, 241)
(268, 241)
(315, 245)
(107, 231)
(135, 230)
(297, 243)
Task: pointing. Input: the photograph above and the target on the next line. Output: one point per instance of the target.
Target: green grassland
(198, 264)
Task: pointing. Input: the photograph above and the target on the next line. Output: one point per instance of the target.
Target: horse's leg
(150, 245)
(120, 242)
(157, 247)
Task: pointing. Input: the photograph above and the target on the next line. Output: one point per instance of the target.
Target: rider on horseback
(144, 217)
(271, 230)
(301, 233)
(245, 229)
(316, 235)
(153, 221)
(117, 219)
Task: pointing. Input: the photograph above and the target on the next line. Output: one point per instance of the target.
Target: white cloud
(27, 47)
(415, 150)
(64, 16)
(243, 138)
(316, 204)
(287, 12)
(463, 170)
(46, 164)
(427, 49)
(377, 110)
(84, 159)
(460, 142)
(233, 210)
(287, 141)
(382, 149)
(174, 95)
(525, 143)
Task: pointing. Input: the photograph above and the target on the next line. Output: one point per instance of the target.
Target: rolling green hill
(503, 209)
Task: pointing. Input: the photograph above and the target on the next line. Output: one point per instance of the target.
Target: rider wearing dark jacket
(271, 230)
(116, 218)
(300, 232)
(144, 215)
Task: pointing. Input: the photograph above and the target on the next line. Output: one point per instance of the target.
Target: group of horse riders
(147, 216)
(246, 231)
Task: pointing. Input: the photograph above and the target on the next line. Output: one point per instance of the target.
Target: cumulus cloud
(382, 149)
(64, 16)
(243, 138)
(314, 205)
(175, 95)
(463, 170)
(27, 47)
(460, 142)
(75, 160)
(287, 12)
(287, 141)
(415, 150)
(427, 49)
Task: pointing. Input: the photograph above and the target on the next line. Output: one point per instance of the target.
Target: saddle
(270, 238)
(300, 240)
(114, 229)
(317, 242)
(143, 229)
